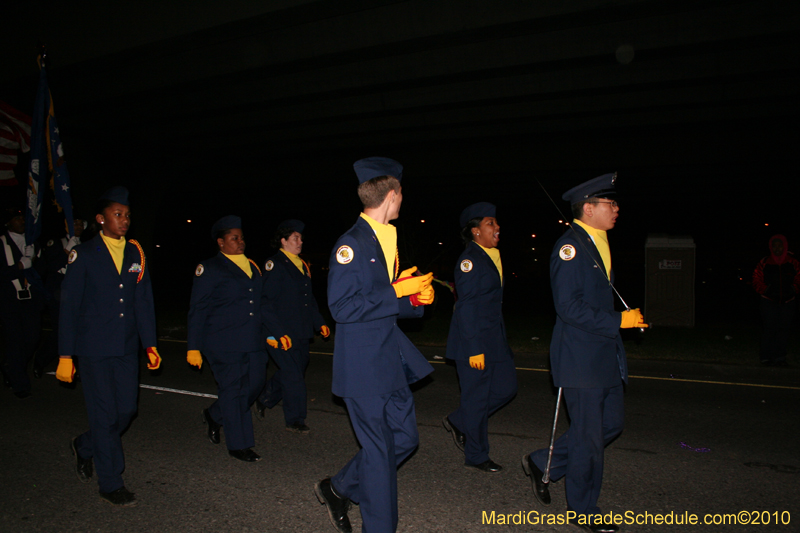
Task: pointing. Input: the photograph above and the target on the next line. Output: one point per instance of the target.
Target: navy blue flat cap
(117, 194)
(599, 187)
(226, 223)
(374, 167)
(479, 210)
(292, 224)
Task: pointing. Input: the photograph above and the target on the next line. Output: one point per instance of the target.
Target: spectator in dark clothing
(777, 279)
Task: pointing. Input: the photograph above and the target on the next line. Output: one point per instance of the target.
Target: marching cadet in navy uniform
(477, 340)
(294, 312)
(373, 361)
(226, 324)
(586, 353)
(20, 303)
(106, 310)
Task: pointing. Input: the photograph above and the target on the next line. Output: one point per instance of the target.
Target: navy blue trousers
(111, 388)
(240, 377)
(288, 383)
(482, 393)
(386, 428)
(596, 418)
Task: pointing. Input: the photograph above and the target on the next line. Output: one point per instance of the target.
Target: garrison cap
(116, 194)
(226, 223)
(481, 209)
(599, 187)
(374, 167)
(292, 224)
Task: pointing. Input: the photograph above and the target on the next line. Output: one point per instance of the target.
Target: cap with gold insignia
(599, 187)
(375, 167)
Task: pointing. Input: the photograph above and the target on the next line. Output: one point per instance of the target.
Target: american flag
(15, 136)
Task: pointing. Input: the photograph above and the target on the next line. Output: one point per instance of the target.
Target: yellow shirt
(117, 249)
(600, 238)
(295, 259)
(494, 254)
(387, 237)
(242, 262)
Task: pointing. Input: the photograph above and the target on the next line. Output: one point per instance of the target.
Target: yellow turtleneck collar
(116, 247)
(600, 238)
(295, 259)
(242, 262)
(494, 255)
(387, 237)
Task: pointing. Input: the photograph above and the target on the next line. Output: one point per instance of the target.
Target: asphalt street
(699, 440)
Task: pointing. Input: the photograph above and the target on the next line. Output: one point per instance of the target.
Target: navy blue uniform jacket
(287, 293)
(225, 312)
(477, 326)
(371, 355)
(586, 350)
(104, 313)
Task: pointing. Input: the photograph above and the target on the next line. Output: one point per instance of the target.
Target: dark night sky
(260, 109)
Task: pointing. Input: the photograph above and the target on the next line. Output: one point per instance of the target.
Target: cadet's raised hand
(632, 318)
(194, 358)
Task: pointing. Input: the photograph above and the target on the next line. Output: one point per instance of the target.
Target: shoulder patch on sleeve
(199, 270)
(344, 255)
(269, 265)
(73, 255)
(567, 252)
(466, 265)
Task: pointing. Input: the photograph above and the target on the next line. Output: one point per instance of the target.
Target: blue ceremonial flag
(60, 183)
(33, 221)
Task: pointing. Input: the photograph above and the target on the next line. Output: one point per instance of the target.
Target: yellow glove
(273, 342)
(425, 297)
(478, 362)
(155, 359)
(66, 369)
(407, 272)
(406, 286)
(325, 331)
(194, 358)
(286, 342)
(632, 318)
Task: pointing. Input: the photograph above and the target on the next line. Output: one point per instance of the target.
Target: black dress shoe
(595, 528)
(540, 489)
(23, 394)
(213, 427)
(487, 466)
(83, 467)
(247, 455)
(298, 427)
(120, 497)
(260, 408)
(458, 436)
(337, 506)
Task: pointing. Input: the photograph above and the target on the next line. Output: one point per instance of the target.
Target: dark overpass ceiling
(553, 80)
